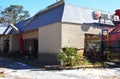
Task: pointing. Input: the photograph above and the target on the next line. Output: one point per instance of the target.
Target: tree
(14, 14)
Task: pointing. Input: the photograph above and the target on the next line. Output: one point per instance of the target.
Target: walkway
(15, 70)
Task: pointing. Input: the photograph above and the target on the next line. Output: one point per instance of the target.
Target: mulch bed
(59, 67)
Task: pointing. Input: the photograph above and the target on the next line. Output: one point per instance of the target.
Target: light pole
(103, 43)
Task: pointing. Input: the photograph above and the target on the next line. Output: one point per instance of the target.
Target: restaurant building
(57, 26)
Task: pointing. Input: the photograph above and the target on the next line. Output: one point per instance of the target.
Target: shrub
(69, 57)
(86, 62)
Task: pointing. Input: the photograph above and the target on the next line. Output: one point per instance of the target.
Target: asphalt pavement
(11, 69)
(12, 64)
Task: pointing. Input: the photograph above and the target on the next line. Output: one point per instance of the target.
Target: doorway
(93, 46)
(31, 47)
(5, 46)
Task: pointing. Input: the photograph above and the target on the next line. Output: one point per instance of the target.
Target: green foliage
(14, 13)
(69, 56)
(86, 62)
(100, 64)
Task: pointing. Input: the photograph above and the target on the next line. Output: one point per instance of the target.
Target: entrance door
(5, 47)
(92, 46)
(31, 46)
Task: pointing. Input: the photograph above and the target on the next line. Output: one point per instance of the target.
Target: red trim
(21, 42)
(116, 28)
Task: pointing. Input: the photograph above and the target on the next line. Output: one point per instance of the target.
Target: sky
(33, 6)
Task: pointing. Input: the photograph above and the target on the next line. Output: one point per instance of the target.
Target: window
(92, 42)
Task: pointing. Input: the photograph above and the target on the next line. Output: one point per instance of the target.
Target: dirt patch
(109, 77)
(2, 72)
(2, 75)
(17, 77)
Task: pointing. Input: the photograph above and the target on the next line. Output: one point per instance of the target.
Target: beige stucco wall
(14, 43)
(74, 34)
(14, 39)
(49, 38)
(1, 44)
(52, 38)
(30, 34)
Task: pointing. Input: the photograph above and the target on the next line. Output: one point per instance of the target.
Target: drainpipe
(102, 46)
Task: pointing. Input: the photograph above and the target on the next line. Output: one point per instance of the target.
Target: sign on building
(104, 18)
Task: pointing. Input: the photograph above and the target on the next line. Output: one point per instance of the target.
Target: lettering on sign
(103, 16)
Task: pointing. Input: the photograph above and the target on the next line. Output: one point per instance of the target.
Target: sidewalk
(11, 69)
(64, 74)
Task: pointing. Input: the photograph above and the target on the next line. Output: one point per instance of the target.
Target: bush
(86, 62)
(69, 57)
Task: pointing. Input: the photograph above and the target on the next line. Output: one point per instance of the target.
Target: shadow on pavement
(12, 64)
